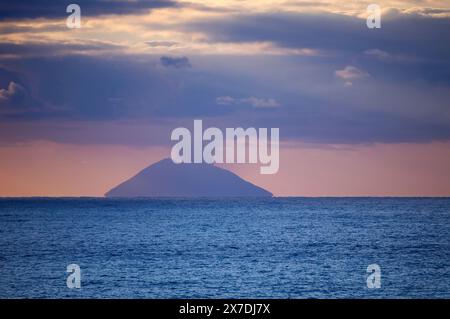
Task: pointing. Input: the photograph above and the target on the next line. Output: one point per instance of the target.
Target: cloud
(388, 57)
(350, 73)
(155, 44)
(57, 8)
(43, 49)
(12, 91)
(426, 11)
(109, 72)
(86, 88)
(90, 88)
(15, 98)
(333, 33)
(79, 91)
(380, 54)
(252, 101)
(175, 62)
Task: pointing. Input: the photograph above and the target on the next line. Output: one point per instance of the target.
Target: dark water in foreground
(257, 248)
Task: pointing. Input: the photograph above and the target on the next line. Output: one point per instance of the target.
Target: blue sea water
(225, 248)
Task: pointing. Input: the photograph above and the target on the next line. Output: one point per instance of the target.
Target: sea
(225, 248)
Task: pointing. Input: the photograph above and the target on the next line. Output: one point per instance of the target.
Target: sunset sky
(361, 112)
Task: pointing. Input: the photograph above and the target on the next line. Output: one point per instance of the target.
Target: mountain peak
(167, 179)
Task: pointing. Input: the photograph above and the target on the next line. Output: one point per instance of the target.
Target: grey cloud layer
(411, 33)
(311, 102)
(387, 85)
(57, 8)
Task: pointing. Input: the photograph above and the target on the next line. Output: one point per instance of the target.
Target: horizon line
(224, 197)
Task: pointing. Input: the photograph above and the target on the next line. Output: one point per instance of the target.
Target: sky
(361, 112)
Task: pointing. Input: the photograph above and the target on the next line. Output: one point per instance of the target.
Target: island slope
(167, 179)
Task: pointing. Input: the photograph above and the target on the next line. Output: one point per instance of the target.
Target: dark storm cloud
(423, 36)
(100, 88)
(89, 89)
(57, 8)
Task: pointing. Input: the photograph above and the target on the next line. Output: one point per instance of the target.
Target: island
(167, 179)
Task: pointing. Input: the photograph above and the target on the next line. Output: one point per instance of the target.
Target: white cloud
(13, 90)
(350, 73)
(15, 98)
